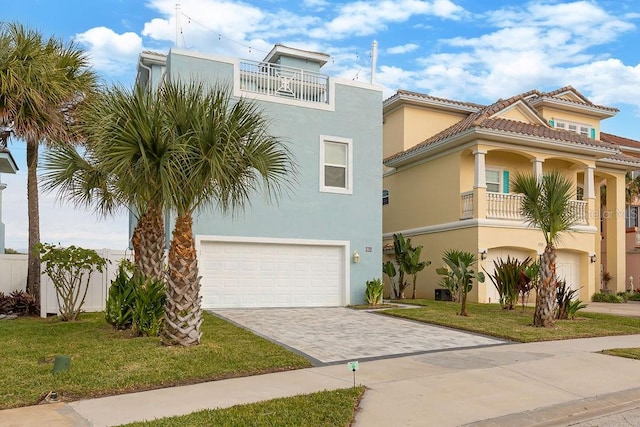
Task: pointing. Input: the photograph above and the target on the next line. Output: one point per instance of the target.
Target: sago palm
(41, 83)
(545, 204)
(230, 156)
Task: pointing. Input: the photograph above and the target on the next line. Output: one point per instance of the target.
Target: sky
(466, 50)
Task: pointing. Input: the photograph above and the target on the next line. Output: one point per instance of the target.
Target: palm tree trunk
(546, 292)
(413, 296)
(463, 304)
(183, 315)
(33, 269)
(149, 237)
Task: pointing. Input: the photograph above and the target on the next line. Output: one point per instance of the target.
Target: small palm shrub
(119, 306)
(573, 307)
(148, 306)
(373, 293)
(136, 302)
(564, 296)
(510, 280)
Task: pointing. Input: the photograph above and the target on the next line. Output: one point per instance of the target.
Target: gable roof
(574, 100)
(486, 118)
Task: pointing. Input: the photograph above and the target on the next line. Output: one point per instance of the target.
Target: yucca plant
(149, 305)
(565, 298)
(510, 280)
(373, 293)
(119, 306)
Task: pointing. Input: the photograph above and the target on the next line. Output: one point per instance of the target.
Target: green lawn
(326, 408)
(107, 362)
(631, 353)
(515, 325)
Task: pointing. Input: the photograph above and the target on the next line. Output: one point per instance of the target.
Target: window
(632, 216)
(579, 193)
(497, 180)
(336, 169)
(385, 197)
(582, 129)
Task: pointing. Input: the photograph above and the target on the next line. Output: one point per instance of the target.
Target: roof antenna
(177, 22)
(374, 60)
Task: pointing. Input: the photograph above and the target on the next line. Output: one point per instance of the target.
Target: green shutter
(505, 181)
(552, 123)
(593, 133)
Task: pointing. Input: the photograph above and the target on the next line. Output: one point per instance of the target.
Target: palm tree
(41, 84)
(229, 156)
(545, 204)
(459, 274)
(128, 161)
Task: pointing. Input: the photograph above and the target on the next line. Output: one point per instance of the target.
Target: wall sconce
(356, 257)
(483, 254)
(592, 257)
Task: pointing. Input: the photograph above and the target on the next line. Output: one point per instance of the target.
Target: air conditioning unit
(443, 295)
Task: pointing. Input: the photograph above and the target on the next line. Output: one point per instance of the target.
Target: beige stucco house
(447, 172)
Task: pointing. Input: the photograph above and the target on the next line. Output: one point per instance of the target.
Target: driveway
(338, 334)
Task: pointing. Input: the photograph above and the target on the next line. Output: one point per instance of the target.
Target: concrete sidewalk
(547, 383)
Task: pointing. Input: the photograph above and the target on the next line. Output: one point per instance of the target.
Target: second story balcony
(285, 82)
(507, 207)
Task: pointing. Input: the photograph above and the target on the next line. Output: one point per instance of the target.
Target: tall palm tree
(229, 156)
(546, 205)
(41, 83)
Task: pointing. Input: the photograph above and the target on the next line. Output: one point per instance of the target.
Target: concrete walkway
(548, 383)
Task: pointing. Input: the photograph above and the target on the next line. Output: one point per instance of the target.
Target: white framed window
(581, 128)
(632, 216)
(336, 164)
(497, 180)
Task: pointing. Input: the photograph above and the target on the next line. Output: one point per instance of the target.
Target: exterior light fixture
(483, 254)
(592, 257)
(356, 257)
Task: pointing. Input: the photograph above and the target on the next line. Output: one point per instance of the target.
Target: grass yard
(631, 353)
(326, 408)
(106, 362)
(515, 325)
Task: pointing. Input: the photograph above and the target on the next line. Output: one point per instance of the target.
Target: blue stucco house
(320, 244)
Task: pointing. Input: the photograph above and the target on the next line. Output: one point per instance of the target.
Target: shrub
(373, 293)
(510, 280)
(148, 307)
(600, 297)
(564, 296)
(119, 305)
(70, 270)
(573, 307)
(633, 297)
(18, 302)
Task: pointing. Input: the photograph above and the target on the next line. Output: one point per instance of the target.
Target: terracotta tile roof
(585, 100)
(621, 157)
(483, 119)
(435, 98)
(619, 140)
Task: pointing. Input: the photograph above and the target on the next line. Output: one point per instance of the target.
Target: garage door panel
(240, 274)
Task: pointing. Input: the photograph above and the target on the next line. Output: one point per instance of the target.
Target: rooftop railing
(286, 82)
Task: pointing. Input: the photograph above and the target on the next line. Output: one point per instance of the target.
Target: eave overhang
(492, 135)
(7, 162)
(399, 99)
(574, 107)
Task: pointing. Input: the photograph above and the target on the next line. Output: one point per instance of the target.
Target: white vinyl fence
(13, 276)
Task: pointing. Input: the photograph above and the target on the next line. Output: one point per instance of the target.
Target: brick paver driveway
(338, 334)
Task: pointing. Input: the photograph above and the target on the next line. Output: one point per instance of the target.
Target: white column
(537, 168)
(479, 177)
(2, 187)
(589, 190)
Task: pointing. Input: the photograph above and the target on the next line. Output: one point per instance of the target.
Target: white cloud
(364, 18)
(405, 48)
(111, 53)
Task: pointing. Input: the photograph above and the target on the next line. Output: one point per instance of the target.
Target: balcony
(507, 207)
(285, 82)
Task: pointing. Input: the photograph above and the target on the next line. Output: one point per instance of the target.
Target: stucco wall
(305, 212)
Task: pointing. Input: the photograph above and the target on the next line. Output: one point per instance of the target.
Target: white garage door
(259, 274)
(568, 268)
(494, 255)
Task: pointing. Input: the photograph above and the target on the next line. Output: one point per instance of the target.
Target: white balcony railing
(287, 82)
(467, 205)
(504, 206)
(507, 206)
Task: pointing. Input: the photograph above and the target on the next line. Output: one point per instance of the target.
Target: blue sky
(467, 50)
